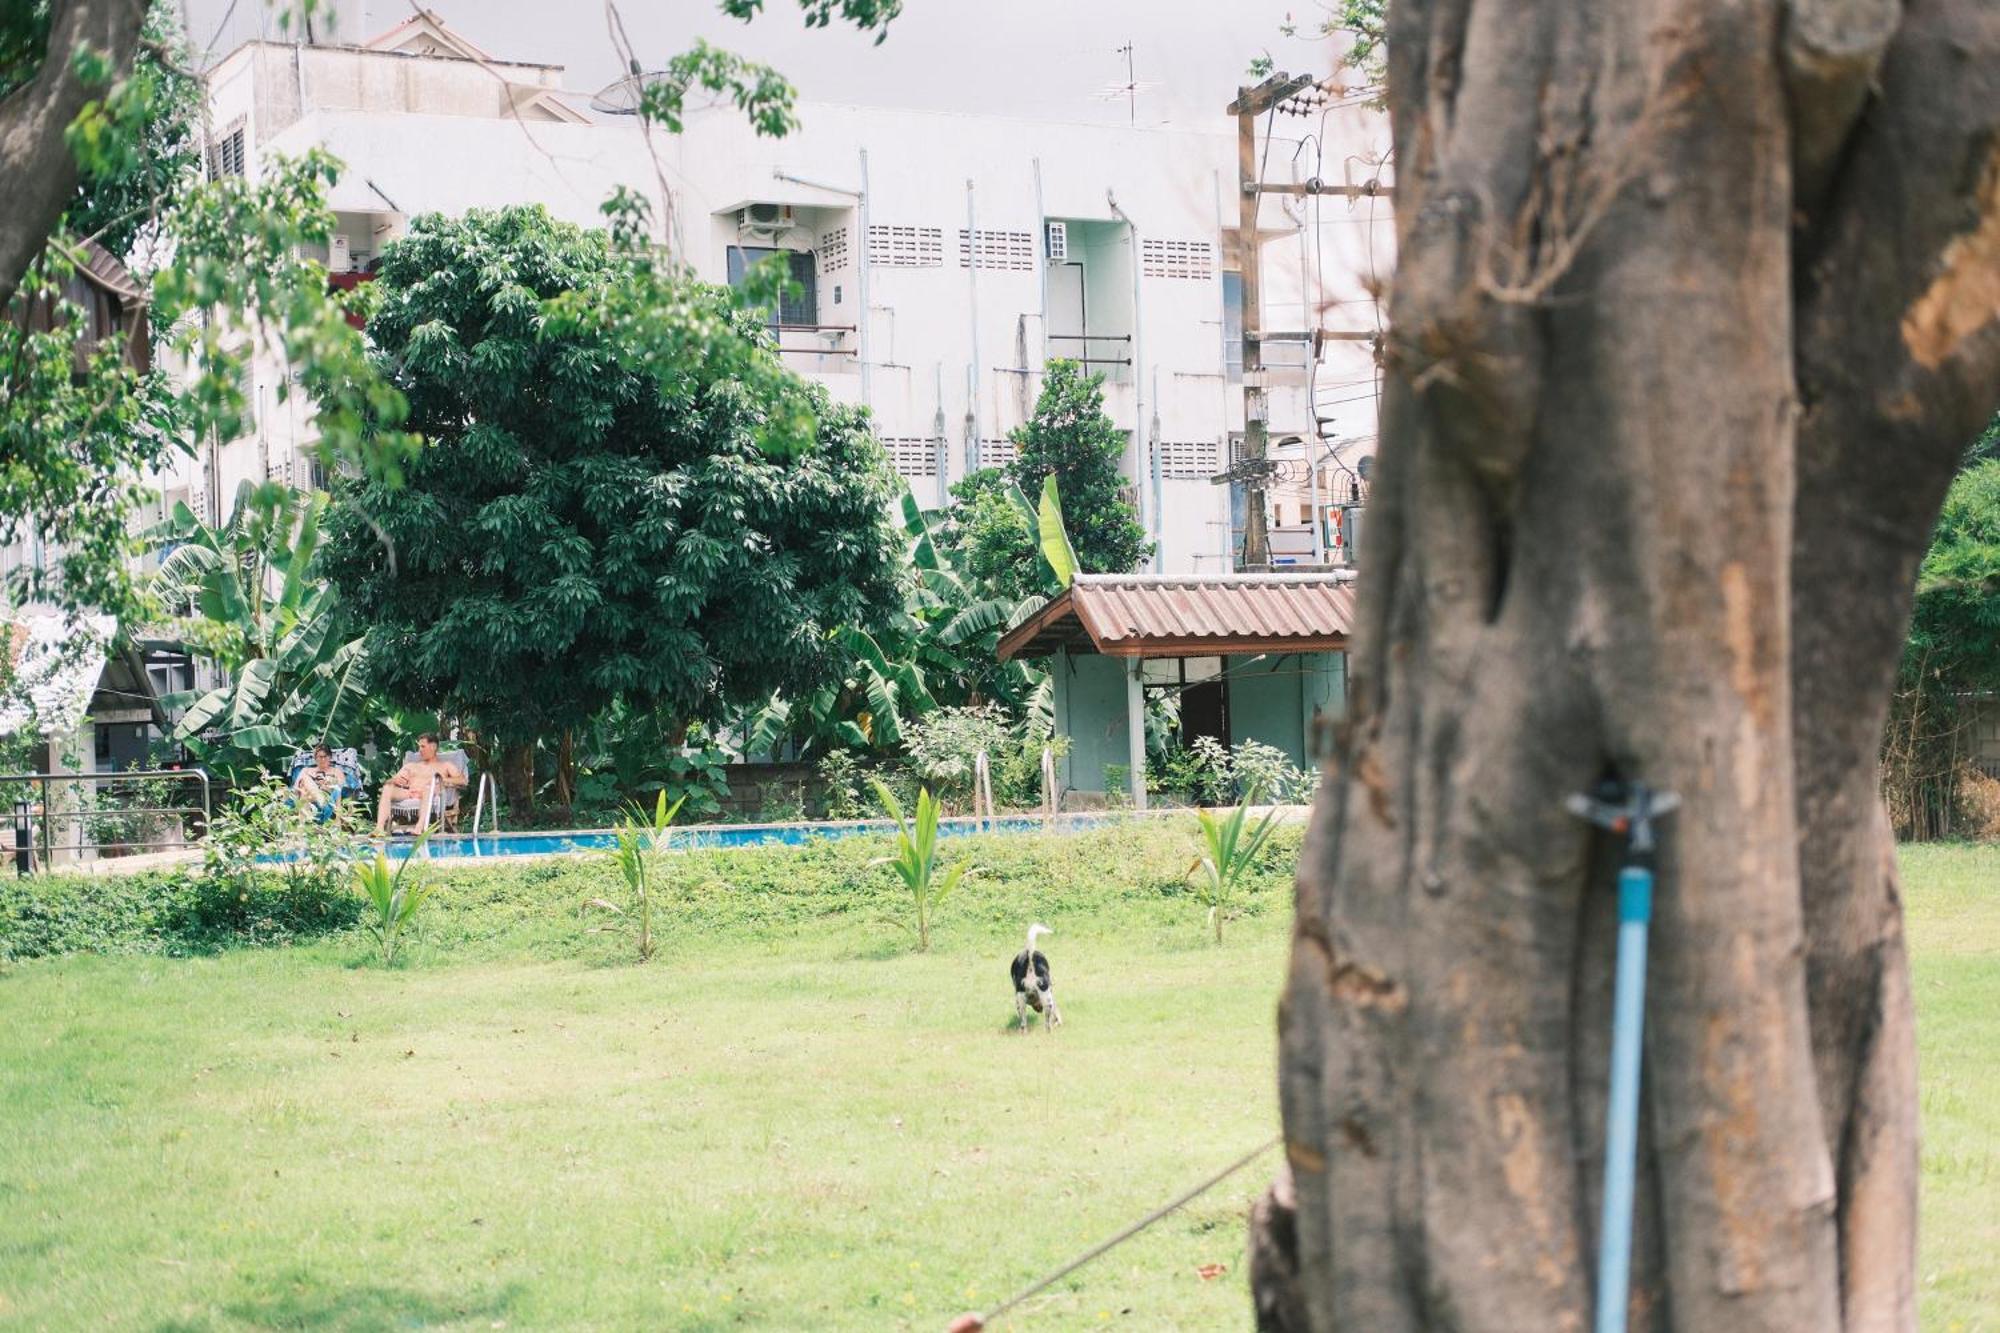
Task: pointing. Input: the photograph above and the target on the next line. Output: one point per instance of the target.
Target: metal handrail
(23, 815)
(1090, 337)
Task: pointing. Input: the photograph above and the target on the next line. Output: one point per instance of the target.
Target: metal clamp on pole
(1629, 810)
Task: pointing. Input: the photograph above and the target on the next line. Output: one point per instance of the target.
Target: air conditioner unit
(338, 259)
(764, 219)
(1055, 236)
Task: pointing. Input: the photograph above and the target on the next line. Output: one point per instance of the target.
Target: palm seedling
(394, 901)
(1226, 853)
(915, 861)
(642, 836)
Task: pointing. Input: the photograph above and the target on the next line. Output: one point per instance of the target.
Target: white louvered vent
(998, 453)
(1177, 259)
(911, 455)
(997, 249)
(1056, 239)
(833, 250)
(227, 153)
(1188, 458)
(893, 246)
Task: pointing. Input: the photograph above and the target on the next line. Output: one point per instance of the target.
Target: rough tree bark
(35, 160)
(517, 776)
(1698, 302)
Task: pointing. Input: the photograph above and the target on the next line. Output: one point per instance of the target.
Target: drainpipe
(1041, 265)
(1138, 380)
(972, 312)
(862, 265)
(1159, 505)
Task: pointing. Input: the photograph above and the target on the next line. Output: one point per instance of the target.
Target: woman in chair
(321, 784)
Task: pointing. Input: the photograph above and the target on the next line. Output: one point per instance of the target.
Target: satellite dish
(621, 97)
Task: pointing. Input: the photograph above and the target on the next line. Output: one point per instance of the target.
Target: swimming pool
(710, 837)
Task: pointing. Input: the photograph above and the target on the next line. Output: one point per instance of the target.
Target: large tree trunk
(517, 777)
(1697, 305)
(35, 158)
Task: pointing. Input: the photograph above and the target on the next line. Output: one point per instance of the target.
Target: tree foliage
(80, 426)
(584, 527)
(1951, 663)
(1071, 439)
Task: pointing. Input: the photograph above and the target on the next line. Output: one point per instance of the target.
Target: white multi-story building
(944, 260)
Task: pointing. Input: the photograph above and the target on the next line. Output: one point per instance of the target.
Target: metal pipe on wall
(861, 275)
(1041, 266)
(1152, 519)
(972, 424)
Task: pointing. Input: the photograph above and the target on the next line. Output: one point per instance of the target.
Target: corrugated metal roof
(1128, 615)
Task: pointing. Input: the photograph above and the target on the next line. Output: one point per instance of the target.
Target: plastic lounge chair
(348, 761)
(444, 799)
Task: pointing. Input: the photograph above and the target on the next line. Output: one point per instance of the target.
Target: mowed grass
(1952, 897)
(787, 1120)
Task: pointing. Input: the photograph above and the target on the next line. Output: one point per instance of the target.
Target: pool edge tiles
(723, 837)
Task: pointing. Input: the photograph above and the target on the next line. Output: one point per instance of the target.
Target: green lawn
(787, 1120)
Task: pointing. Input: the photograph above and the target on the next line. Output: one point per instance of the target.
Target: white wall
(923, 323)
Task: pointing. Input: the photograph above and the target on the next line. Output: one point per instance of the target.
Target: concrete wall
(1090, 710)
(1276, 700)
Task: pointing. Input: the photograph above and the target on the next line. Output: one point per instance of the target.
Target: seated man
(321, 783)
(413, 781)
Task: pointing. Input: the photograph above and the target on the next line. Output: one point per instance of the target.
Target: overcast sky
(1052, 59)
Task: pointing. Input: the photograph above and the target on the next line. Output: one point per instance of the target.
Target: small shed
(1251, 656)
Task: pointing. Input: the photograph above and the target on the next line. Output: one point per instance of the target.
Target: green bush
(1127, 870)
(840, 785)
(165, 912)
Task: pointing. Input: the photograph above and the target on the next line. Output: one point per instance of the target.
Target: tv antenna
(1130, 89)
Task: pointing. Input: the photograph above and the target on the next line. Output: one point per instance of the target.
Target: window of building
(226, 153)
(800, 304)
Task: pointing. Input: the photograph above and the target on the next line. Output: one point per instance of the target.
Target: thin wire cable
(1043, 1283)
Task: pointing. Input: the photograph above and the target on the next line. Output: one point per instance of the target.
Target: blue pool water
(716, 836)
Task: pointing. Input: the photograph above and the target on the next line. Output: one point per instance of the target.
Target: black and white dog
(1033, 987)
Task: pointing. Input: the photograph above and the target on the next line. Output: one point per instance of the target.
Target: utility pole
(1251, 103)
(1255, 468)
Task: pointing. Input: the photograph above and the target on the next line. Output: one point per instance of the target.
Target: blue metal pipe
(1621, 1129)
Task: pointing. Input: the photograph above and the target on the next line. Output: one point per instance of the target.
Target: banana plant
(1225, 854)
(1054, 537)
(915, 861)
(940, 652)
(246, 601)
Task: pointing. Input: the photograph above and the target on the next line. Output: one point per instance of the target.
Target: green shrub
(1131, 871)
(840, 781)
